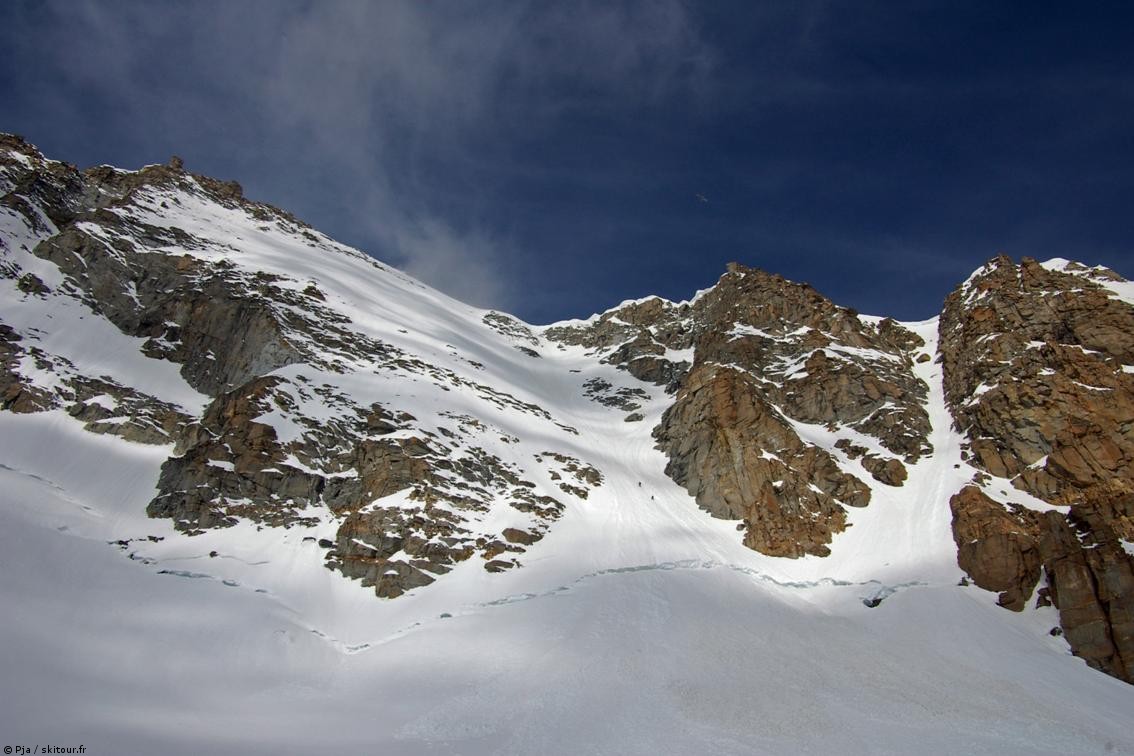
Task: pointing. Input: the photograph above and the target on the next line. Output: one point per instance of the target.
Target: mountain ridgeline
(298, 385)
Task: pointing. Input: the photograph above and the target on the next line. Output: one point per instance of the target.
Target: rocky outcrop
(883, 469)
(274, 449)
(747, 360)
(820, 363)
(101, 404)
(1089, 577)
(233, 467)
(1034, 369)
(998, 547)
(767, 356)
(647, 339)
(737, 456)
(369, 543)
(17, 394)
(183, 307)
(223, 325)
(1038, 364)
(626, 398)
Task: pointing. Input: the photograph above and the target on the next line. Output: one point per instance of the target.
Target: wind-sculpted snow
(876, 592)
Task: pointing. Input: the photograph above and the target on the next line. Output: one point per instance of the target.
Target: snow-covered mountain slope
(261, 492)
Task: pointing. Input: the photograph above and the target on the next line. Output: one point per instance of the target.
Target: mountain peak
(201, 392)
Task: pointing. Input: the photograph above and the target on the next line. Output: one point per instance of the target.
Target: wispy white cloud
(389, 88)
(384, 96)
(469, 263)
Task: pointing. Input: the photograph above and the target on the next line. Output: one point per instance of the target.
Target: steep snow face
(624, 619)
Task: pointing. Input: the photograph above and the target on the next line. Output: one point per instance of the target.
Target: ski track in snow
(875, 595)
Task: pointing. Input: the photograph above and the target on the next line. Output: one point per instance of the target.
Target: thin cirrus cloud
(546, 158)
(380, 104)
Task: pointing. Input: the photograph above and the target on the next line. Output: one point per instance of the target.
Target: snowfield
(665, 656)
(638, 625)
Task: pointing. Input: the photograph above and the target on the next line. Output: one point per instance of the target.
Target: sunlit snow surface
(638, 625)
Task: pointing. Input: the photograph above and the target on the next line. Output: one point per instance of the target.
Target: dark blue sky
(546, 158)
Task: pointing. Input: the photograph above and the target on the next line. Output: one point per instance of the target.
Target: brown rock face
(769, 353)
(735, 453)
(1037, 371)
(16, 394)
(998, 548)
(233, 467)
(1090, 581)
(1033, 362)
(231, 329)
(819, 363)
